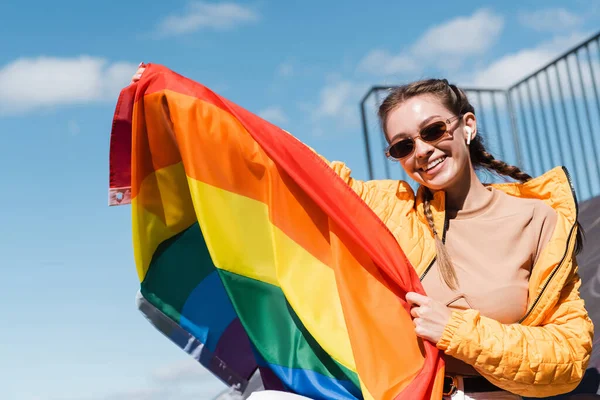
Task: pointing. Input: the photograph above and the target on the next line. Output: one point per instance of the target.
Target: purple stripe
(270, 380)
(233, 348)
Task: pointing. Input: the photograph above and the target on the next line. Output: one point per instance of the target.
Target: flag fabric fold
(253, 254)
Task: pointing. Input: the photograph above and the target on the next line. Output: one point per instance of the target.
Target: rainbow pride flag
(254, 255)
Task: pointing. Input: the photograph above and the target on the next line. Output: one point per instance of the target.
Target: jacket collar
(553, 187)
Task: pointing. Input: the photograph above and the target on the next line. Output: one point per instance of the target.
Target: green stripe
(275, 329)
(183, 261)
(178, 265)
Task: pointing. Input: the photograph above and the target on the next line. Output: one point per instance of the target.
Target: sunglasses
(431, 134)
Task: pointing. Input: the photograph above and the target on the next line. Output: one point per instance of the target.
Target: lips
(433, 164)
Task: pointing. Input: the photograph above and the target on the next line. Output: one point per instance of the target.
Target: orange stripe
(438, 384)
(245, 169)
(386, 349)
(151, 153)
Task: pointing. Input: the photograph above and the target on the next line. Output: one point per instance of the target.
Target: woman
(503, 299)
(497, 261)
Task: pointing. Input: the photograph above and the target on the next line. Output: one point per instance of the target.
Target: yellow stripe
(162, 208)
(241, 239)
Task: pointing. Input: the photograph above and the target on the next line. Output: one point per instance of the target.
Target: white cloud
(274, 114)
(32, 83)
(340, 100)
(445, 45)
(512, 67)
(550, 19)
(183, 380)
(203, 15)
(461, 36)
(186, 370)
(382, 62)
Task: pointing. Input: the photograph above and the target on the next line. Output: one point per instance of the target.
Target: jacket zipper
(443, 241)
(562, 261)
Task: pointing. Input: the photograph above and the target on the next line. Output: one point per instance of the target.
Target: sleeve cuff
(456, 320)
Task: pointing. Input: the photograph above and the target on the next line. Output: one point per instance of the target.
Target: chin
(440, 181)
(435, 186)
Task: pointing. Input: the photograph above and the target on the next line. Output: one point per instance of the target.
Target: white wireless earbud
(470, 133)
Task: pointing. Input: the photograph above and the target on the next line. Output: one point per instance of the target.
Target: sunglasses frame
(448, 122)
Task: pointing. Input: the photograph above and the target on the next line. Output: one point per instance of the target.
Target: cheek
(457, 150)
(408, 165)
(461, 152)
(409, 168)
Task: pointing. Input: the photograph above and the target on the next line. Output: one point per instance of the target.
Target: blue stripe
(208, 311)
(311, 384)
(315, 385)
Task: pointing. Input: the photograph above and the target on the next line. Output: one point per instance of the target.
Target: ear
(470, 127)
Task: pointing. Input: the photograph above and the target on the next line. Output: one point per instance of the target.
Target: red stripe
(120, 140)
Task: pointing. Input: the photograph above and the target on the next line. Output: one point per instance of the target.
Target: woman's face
(441, 165)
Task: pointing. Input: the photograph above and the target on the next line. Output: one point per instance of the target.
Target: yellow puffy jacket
(548, 351)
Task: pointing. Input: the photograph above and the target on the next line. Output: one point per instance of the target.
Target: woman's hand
(430, 317)
(138, 74)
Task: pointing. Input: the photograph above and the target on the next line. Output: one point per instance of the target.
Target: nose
(422, 149)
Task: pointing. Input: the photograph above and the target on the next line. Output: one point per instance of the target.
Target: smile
(433, 163)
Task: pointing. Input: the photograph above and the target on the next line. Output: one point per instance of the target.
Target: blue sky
(70, 329)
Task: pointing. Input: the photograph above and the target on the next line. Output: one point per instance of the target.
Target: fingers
(421, 331)
(415, 312)
(417, 299)
(138, 74)
(429, 317)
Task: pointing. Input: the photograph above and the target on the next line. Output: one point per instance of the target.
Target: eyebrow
(424, 122)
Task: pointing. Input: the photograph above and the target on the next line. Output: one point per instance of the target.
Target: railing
(549, 118)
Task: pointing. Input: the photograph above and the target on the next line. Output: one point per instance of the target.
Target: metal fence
(549, 118)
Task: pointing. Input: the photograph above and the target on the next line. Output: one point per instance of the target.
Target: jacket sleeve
(536, 361)
(384, 197)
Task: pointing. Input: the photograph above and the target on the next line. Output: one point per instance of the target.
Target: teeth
(434, 163)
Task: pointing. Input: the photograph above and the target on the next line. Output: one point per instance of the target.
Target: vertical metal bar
(525, 136)
(565, 116)
(536, 134)
(497, 121)
(514, 128)
(585, 168)
(386, 167)
(589, 57)
(567, 126)
(554, 118)
(544, 120)
(587, 113)
(481, 113)
(363, 115)
(598, 48)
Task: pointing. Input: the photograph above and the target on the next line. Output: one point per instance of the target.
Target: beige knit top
(493, 249)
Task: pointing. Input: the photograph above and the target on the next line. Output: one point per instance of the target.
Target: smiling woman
(497, 261)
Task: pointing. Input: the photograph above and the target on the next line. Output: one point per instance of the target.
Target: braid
(481, 158)
(427, 210)
(443, 258)
(490, 162)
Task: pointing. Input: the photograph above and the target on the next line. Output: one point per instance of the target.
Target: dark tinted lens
(434, 131)
(402, 148)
